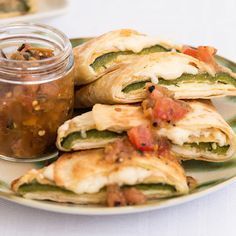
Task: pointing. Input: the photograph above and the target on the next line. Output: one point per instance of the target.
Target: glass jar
(36, 96)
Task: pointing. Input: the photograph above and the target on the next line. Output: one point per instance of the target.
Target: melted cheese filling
(168, 67)
(124, 176)
(180, 136)
(93, 184)
(48, 172)
(136, 43)
(129, 176)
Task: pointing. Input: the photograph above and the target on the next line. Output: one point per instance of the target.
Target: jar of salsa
(36, 89)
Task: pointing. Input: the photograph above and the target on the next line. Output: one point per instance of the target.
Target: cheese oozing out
(94, 183)
(180, 135)
(168, 66)
(124, 176)
(48, 172)
(137, 43)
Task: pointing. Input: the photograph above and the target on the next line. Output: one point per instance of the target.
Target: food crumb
(37, 108)
(35, 103)
(214, 146)
(192, 183)
(120, 159)
(41, 132)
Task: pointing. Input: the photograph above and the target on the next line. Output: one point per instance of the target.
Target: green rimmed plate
(210, 176)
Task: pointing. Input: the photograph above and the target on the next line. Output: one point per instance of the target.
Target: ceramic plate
(210, 176)
(45, 9)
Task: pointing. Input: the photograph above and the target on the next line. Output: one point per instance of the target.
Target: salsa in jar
(36, 89)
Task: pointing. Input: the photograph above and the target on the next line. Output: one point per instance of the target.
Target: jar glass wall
(36, 96)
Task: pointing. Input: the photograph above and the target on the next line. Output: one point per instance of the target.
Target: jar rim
(46, 63)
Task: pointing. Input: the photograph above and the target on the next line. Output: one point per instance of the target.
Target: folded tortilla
(186, 76)
(102, 53)
(202, 134)
(82, 177)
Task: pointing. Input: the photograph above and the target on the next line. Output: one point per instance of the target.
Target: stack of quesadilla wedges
(150, 109)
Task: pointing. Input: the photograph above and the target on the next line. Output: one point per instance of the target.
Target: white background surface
(194, 22)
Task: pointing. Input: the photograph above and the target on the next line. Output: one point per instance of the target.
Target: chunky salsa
(31, 113)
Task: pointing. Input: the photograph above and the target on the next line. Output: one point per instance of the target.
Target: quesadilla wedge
(186, 76)
(101, 53)
(201, 134)
(88, 177)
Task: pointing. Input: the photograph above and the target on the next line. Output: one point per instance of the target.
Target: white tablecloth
(194, 22)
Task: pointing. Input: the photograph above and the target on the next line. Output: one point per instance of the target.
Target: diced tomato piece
(166, 109)
(202, 53)
(206, 54)
(191, 52)
(163, 107)
(141, 137)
